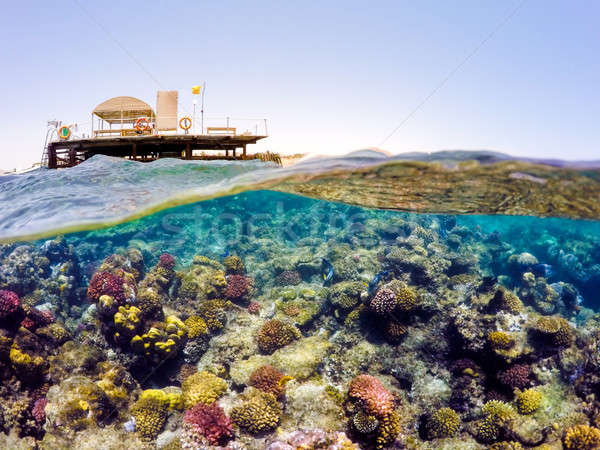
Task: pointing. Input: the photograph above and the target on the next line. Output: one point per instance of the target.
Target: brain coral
(529, 401)
(268, 379)
(582, 437)
(202, 387)
(554, 330)
(206, 424)
(259, 412)
(384, 302)
(275, 334)
(443, 423)
(372, 395)
(9, 303)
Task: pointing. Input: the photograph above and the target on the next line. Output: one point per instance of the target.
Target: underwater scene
(295, 311)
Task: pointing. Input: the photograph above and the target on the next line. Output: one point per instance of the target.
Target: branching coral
(202, 387)
(196, 327)
(237, 287)
(445, 422)
(269, 379)
(206, 424)
(582, 437)
(275, 334)
(9, 303)
(516, 376)
(372, 395)
(234, 265)
(529, 401)
(500, 340)
(166, 261)
(260, 411)
(108, 283)
(384, 302)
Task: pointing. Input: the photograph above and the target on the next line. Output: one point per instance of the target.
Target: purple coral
(384, 302)
(39, 410)
(288, 278)
(237, 287)
(36, 318)
(516, 376)
(9, 303)
(167, 261)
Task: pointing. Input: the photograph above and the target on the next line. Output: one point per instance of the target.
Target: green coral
(345, 295)
(259, 412)
(234, 265)
(202, 387)
(443, 423)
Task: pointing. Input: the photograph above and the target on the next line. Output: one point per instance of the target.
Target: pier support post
(72, 160)
(134, 151)
(234, 153)
(188, 151)
(226, 152)
(244, 151)
(52, 157)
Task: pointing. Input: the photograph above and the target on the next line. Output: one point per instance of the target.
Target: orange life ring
(64, 133)
(138, 124)
(185, 123)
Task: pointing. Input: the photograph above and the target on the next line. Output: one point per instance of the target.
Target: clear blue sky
(332, 76)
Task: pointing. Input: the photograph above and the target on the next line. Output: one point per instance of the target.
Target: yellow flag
(196, 89)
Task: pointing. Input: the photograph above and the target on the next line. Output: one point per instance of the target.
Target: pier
(69, 153)
(127, 127)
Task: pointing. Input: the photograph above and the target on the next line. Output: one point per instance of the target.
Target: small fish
(372, 285)
(225, 254)
(327, 271)
(130, 425)
(542, 270)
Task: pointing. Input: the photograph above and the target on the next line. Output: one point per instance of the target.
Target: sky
(330, 76)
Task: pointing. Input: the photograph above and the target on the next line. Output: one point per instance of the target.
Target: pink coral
(208, 422)
(372, 395)
(254, 307)
(39, 410)
(9, 303)
(516, 376)
(35, 318)
(167, 261)
(237, 287)
(106, 283)
(384, 302)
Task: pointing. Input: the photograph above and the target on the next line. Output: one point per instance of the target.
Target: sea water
(262, 319)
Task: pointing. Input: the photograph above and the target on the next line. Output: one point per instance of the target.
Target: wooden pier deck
(69, 153)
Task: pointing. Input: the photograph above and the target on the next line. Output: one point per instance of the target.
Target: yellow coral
(150, 414)
(212, 311)
(388, 430)
(555, 329)
(202, 387)
(529, 401)
(500, 340)
(259, 412)
(512, 445)
(196, 327)
(582, 437)
(127, 320)
(443, 423)
(24, 363)
(497, 415)
(161, 342)
(172, 400)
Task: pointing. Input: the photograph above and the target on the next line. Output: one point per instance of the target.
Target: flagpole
(202, 108)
